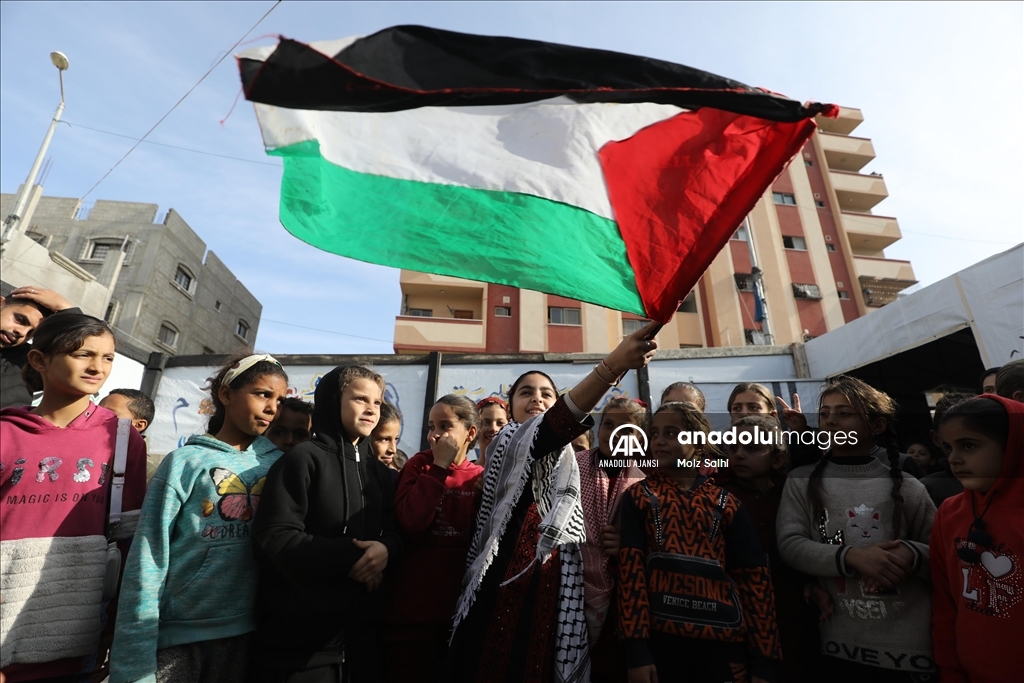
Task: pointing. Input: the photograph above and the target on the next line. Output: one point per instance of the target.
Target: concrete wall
(145, 295)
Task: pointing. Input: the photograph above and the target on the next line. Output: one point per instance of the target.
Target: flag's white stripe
(547, 149)
(325, 47)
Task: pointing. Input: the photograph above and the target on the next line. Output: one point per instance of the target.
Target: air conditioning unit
(807, 155)
(506, 299)
(839, 285)
(817, 196)
(828, 238)
(801, 291)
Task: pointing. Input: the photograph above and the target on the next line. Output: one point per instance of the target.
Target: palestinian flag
(590, 174)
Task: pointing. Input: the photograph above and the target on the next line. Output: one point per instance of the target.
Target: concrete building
(162, 290)
(814, 235)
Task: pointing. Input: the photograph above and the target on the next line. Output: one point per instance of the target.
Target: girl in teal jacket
(187, 598)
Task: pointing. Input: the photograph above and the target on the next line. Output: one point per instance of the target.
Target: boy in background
(20, 314)
(292, 425)
(137, 407)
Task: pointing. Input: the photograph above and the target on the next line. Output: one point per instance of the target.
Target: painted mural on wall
(479, 381)
(183, 408)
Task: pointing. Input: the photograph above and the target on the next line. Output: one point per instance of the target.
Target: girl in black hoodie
(324, 533)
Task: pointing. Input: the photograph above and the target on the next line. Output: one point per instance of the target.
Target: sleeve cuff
(437, 473)
(841, 562)
(567, 422)
(573, 408)
(637, 653)
(916, 566)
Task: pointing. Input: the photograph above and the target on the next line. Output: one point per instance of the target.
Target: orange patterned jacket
(690, 526)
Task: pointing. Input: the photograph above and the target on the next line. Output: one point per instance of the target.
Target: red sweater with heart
(978, 607)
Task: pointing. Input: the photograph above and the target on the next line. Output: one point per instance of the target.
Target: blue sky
(941, 87)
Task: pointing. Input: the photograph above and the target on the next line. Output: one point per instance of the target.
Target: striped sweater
(703, 522)
(54, 485)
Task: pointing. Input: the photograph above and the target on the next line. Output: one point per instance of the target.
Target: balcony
(881, 280)
(857, 192)
(868, 232)
(439, 334)
(849, 118)
(432, 285)
(846, 153)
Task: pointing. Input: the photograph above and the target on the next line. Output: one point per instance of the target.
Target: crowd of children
(292, 542)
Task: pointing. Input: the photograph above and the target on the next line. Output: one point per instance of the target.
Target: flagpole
(755, 272)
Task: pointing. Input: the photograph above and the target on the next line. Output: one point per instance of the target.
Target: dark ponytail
(888, 441)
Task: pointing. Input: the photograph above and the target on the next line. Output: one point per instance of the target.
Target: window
(183, 278)
(168, 336)
(830, 247)
(744, 282)
(502, 312)
(216, 307)
(784, 198)
(754, 337)
(792, 242)
(97, 250)
(242, 330)
(808, 163)
(806, 291)
(40, 239)
(689, 304)
(421, 312)
(740, 234)
(631, 326)
(843, 295)
(564, 316)
(820, 204)
(111, 313)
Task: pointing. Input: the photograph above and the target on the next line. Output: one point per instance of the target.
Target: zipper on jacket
(362, 494)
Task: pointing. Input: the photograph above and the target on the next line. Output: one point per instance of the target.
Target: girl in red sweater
(977, 545)
(435, 504)
(56, 477)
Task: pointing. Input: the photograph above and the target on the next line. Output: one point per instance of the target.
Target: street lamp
(12, 223)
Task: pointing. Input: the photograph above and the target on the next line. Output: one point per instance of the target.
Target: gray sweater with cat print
(890, 629)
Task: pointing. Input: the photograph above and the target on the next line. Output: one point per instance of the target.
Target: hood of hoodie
(327, 406)
(27, 421)
(261, 447)
(1009, 487)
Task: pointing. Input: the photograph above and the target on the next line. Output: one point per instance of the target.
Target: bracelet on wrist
(618, 376)
(597, 371)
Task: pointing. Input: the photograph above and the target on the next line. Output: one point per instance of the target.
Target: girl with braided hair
(862, 528)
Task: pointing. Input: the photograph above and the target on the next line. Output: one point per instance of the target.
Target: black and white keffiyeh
(556, 490)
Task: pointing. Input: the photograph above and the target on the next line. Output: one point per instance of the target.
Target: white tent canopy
(988, 297)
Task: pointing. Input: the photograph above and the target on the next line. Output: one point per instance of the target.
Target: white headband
(244, 364)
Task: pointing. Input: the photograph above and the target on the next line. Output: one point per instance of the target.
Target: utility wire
(164, 144)
(317, 329)
(140, 140)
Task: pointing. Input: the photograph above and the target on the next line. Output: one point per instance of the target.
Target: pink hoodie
(54, 485)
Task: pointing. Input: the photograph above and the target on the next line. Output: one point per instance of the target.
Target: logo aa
(626, 444)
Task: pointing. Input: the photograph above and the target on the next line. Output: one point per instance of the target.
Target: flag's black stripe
(406, 67)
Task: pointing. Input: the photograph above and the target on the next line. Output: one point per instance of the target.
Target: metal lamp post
(12, 223)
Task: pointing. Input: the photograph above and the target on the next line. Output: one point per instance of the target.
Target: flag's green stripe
(501, 237)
